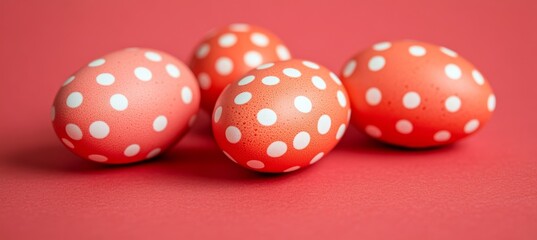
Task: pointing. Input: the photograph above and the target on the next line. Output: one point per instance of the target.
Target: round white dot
(73, 131)
(153, 153)
(265, 66)
(233, 134)
(311, 65)
(239, 27)
(342, 100)
(203, 51)
(341, 131)
(442, 136)
(205, 81)
(153, 56)
(160, 123)
(253, 59)
(119, 102)
(277, 149)
(53, 113)
(172, 70)
(373, 96)
(69, 80)
(229, 156)
(381, 46)
(292, 72)
(132, 150)
(478, 78)
(349, 68)
(335, 78)
(74, 99)
(453, 103)
(283, 53)
(68, 143)
(227, 40)
(411, 100)
(217, 114)
(105, 79)
(317, 157)
(417, 51)
(303, 104)
(259, 39)
(97, 158)
(291, 169)
(471, 126)
(404, 126)
(270, 80)
(491, 103)
(373, 131)
(453, 71)
(301, 140)
(323, 124)
(448, 52)
(242, 98)
(99, 129)
(224, 66)
(266, 117)
(246, 80)
(376, 63)
(186, 95)
(255, 164)
(318, 82)
(97, 62)
(143, 73)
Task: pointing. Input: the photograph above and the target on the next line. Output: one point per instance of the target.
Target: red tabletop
(483, 187)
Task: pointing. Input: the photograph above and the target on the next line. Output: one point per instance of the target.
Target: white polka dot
(404, 126)
(253, 58)
(239, 27)
(205, 81)
(453, 71)
(68, 143)
(291, 169)
(417, 51)
(229, 156)
(292, 72)
(448, 52)
(143, 73)
(318, 82)
(186, 95)
(317, 157)
(259, 39)
(381, 46)
(119, 102)
(132, 150)
(73, 131)
(335, 78)
(452, 104)
(233, 134)
(349, 68)
(53, 113)
(342, 100)
(301, 140)
(217, 114)
(471, 126)
(97, 158)
(341, 131)
(224, 66)
(311, 65)
(478, 78)
(267, 117)
(283, 53)
(411, 100)
(442, 136)
(203, 51)
(242, 98)
(270, 80)
(97, 62)
(376, 63)
(99, 129)
(153, 153)
(74, 99)
(227, 40)
(69, 80)
(265, 66)
(105, 79)
(160, 123)
(373, 96)
(255, 164)
(172, 70)
(246, 80)
(373, 131)
(491, 103)
(153, 56)
(303, 104)
(277, 149)
(323, 124)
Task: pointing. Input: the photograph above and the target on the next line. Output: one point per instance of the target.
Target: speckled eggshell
(226, 54)
(416, 94)
(281, 116)
(125, 107)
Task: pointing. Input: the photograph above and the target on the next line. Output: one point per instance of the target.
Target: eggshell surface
(416, 94)
(281, 116)
(127, 106)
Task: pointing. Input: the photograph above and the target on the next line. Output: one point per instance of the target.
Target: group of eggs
(270, 112)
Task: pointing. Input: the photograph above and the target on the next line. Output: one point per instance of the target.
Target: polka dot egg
(416, 94)
(226, 54)
(127, 106)
(281, 116)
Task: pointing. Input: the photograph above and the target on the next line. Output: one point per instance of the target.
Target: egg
(281, 116)
(416, 94)
(226, 54)
(125, 107)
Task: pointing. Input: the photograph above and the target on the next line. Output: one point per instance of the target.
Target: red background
(484, 187)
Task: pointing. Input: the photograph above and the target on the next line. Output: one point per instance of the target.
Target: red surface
(484, 187)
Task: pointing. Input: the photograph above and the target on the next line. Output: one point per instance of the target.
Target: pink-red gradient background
(484, 187)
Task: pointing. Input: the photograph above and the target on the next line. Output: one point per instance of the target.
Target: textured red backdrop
(484, 187)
